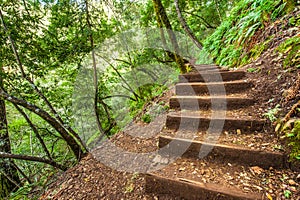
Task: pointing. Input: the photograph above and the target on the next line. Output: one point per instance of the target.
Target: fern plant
(244, 21)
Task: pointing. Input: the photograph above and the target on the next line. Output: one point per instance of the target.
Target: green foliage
(291, 48)
(287, 194)
(251, 70)
(271, 114)
(291, 130)
(229, 44)
(146, 118)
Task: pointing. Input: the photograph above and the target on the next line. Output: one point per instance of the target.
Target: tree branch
(21, 172)
(100, 128)
(33, 158)
(118, 73)
(118, 95)
(49, 119)
(186, 27)
(208, 25)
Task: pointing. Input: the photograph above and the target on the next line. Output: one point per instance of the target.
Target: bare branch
(186, 27)
(33, 158)
(208, 25)
(118, 95)
(21, 172)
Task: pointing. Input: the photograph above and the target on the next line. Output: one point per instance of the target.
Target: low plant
(291, 131)
(272, 113)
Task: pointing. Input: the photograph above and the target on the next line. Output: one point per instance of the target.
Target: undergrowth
(234, 42)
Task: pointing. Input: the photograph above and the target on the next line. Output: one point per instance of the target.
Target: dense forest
(75, 72)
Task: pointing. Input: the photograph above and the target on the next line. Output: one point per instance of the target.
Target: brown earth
(273, 85)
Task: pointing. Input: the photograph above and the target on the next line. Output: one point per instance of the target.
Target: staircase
(215, 147)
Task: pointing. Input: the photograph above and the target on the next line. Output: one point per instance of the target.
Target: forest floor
(273, 85)
(91, 179)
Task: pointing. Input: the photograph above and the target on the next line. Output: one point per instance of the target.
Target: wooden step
(212, 88)
(205, 102)
(193, 190)
(212, 76)
(210, 178)
(202, 123)
(230, 153)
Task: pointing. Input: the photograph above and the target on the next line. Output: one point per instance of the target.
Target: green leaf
(251, 70)
(287, 194)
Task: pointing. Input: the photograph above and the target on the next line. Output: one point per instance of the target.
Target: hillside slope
(263, 37)
(267, 46)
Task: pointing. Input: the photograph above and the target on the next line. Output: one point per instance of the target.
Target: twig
(289, 114)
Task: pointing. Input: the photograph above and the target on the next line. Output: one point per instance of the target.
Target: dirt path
(244, 163)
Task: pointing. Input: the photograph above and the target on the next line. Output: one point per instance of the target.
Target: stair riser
(230, 88)
(160, 185)
(196, 104)
(224, 152)
(202, 124)
(208, 77)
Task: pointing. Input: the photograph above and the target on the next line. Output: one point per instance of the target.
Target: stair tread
(194, 190)
(239, 96)
(207, 171)
(222, 72)
(213, 83)
(238, 114)
(252, 141)
(264, 156)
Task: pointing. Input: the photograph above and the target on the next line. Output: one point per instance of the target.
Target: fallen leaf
(181, 169)
(269, 196)
(256, 170)
(292, 182)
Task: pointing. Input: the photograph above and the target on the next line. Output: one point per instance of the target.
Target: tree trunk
(8, 174)
(186, 27)
(162, 17)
